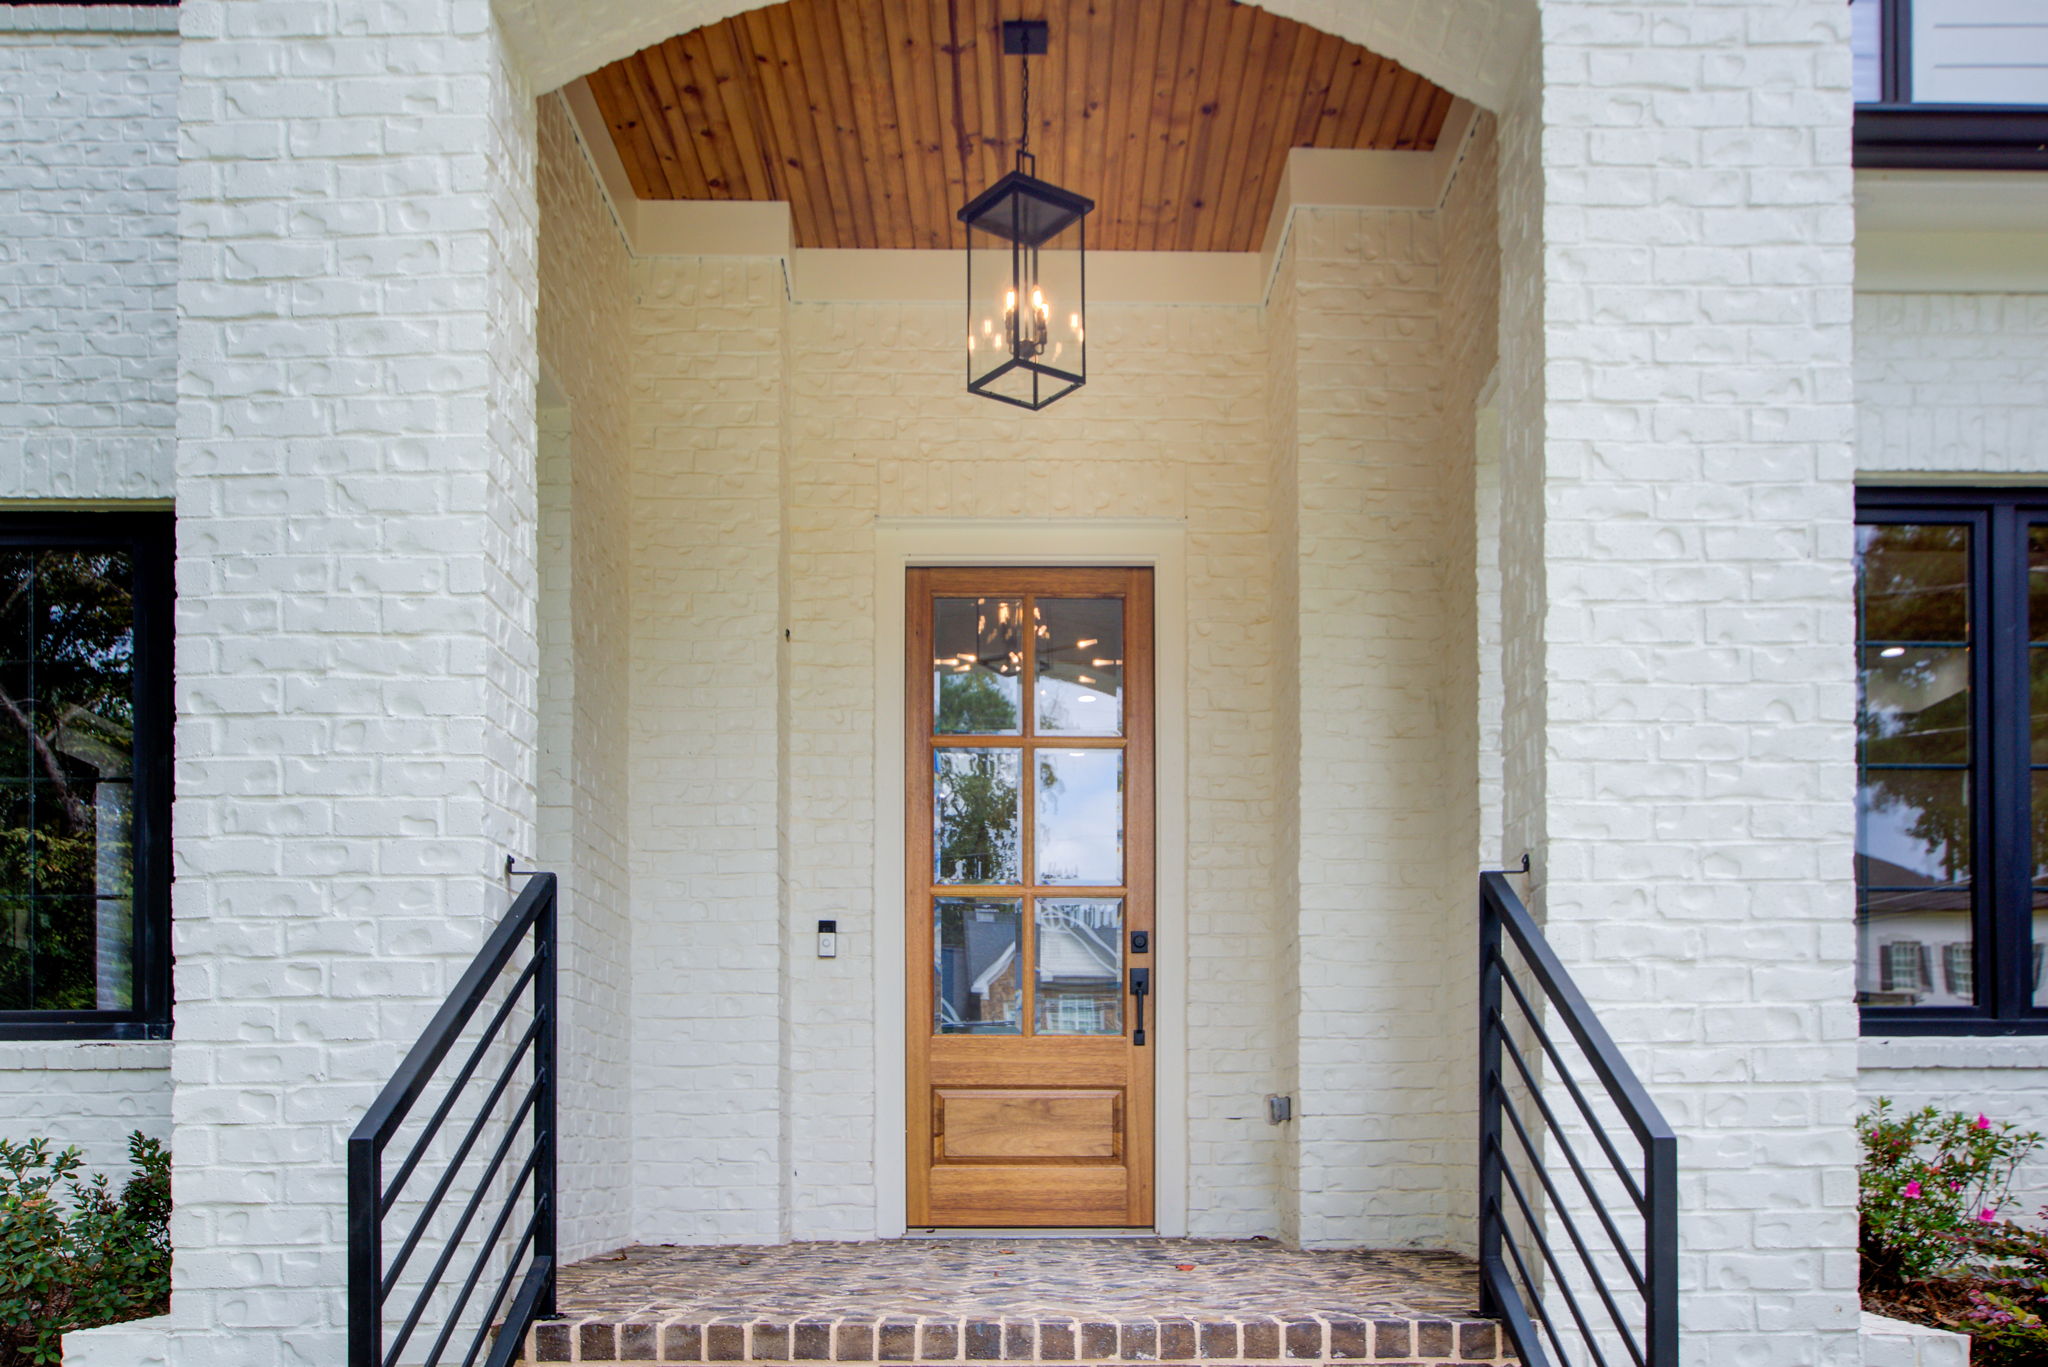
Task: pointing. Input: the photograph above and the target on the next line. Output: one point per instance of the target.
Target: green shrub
(1930, 1180)
(72, 1254)
(2007, 1318)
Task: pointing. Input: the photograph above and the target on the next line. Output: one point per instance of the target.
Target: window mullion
(2007, 863)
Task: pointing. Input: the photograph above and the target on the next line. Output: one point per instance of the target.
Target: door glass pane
(977, 666)
(1080, 666)
(975, 817)
(1080, 966)
(1080, 833)
(977, 968)
(1916, 705)
(1914, 581)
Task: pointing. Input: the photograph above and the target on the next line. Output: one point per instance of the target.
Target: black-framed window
(1952, 760)
(85, 751)
(1957, 84)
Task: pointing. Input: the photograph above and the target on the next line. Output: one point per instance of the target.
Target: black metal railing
(1536, 1284)
(413, 1285)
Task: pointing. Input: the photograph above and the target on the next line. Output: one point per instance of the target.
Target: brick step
(1297, 1342)
(986, 1302)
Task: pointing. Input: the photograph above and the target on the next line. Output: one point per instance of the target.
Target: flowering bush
(1930, 1180)
(72, 1254)
(2007, 1315)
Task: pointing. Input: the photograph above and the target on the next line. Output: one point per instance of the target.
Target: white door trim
(1160, 544)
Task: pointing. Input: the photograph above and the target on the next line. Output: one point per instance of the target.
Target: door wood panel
(1029, 1100)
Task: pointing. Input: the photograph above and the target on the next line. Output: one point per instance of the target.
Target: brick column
(1677, 479)
(355, 486)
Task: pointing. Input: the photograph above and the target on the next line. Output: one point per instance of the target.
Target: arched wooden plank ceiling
(877, 119)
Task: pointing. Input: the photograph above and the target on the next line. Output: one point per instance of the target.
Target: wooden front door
(1029, 787)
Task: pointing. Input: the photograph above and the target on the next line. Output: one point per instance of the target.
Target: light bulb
(1074, 322)
(1009, 301)
(1892, 652)
(1038, 301)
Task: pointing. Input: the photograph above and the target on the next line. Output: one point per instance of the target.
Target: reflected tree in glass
(66, 745)
(975, 815)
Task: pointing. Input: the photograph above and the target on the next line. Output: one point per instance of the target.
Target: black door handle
(1141, 987)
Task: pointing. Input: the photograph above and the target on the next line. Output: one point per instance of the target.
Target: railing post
(546, 948)
(1660, 1240)
(365, 1252)
(1489, 1102)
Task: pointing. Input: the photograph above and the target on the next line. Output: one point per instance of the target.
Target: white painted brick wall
(355, 485)
(706, 623)
(586, 346)
(1388, 711)
(1952, 384)
(88, 259)
(88, 1094)
(1685, 527)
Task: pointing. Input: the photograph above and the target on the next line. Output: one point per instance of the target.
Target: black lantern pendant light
(1027, 278)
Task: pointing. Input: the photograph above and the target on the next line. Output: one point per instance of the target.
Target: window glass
(1866, 38)
(67, 761)
(1979, 52)
(1915, 752)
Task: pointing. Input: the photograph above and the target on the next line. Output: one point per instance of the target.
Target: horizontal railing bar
(1571, 1083)
(1614, 1235)
(507, 1348)
(433, 1126)
(490, 1241)
(1508, 1304)
(1557, 1269)
(455, 1162)
(433, 1279)
(399, 1094)
(1640, 1111)
(1571, 1227)
(1615, 1161)
(1529, 1292)
(505, 1284)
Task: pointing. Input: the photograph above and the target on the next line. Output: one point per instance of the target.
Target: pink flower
(1982, 1123)
(1985, 1217)
(1913, 1188)
(1955, 1186)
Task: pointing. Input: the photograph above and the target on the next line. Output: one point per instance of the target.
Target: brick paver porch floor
(1019, 1300)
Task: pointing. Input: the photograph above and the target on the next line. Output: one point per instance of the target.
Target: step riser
(971, 1343)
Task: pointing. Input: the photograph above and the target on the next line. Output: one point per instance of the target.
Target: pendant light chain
(1024, 141)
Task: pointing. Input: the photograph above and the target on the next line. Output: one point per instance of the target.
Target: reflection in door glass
(1080, 833)
(1080, 666)
(977, 666)
(1079, 950)
(974, 816)
(978, 974)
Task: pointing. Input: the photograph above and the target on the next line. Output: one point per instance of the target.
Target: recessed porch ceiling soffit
(876, 119)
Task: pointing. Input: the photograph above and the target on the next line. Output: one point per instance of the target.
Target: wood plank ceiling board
(878, 119)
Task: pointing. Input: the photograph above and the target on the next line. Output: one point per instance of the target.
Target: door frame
(1158, 544)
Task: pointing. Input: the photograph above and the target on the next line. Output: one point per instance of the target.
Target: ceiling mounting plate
(1025, 37)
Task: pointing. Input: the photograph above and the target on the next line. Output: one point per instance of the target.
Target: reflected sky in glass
(1080, 817)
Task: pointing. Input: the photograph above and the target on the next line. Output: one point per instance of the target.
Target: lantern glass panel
(1027, 314)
